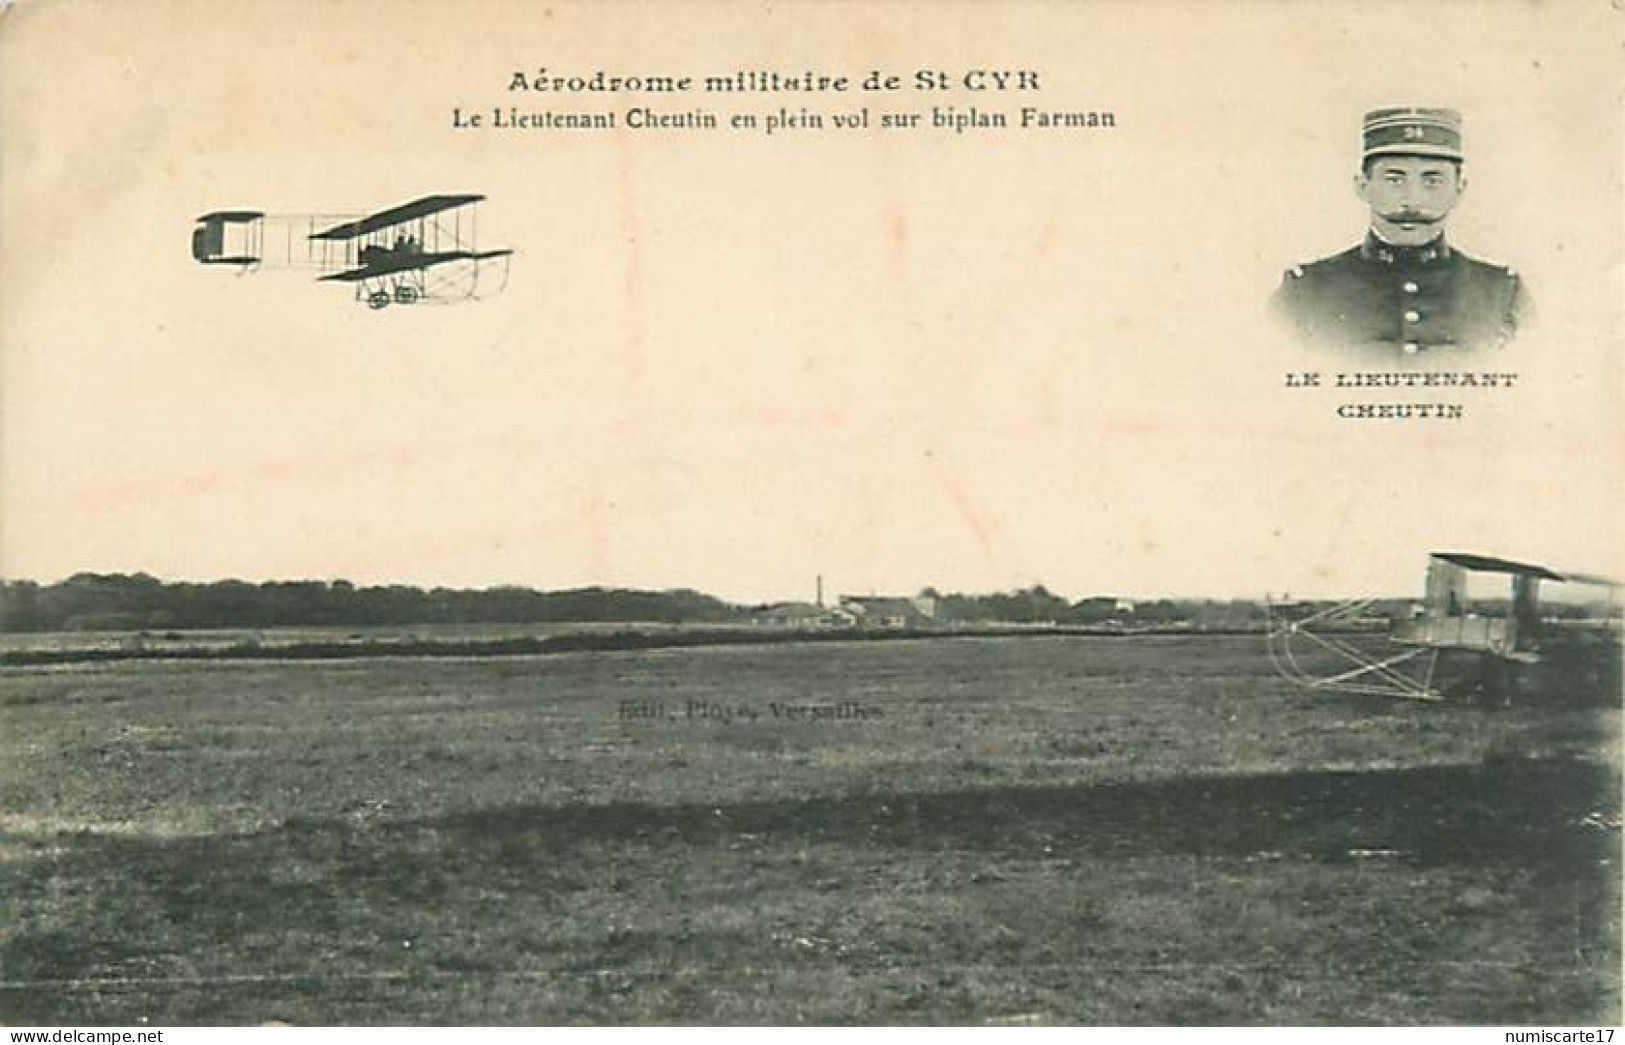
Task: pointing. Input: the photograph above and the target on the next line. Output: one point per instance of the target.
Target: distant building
(1100, 608)
(891, 611)
(802, 615)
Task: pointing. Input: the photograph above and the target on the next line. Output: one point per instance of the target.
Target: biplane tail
(228, 237)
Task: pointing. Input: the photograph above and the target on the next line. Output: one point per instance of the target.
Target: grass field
(1148, 830)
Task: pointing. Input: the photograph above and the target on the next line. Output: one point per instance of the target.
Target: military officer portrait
(1405, 290)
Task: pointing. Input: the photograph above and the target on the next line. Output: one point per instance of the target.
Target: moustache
(1412, 217)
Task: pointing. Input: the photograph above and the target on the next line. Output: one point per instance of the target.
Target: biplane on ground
(1450, 644)
(425, 251)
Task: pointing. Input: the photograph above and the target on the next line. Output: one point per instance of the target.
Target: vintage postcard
(797, 513)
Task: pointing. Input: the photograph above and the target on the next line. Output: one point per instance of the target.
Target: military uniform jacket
(1405, 299)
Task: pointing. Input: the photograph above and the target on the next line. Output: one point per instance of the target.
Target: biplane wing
(1490, 564)
(1487, 564)
(397, 263)
(426, 207)
(1594, 580)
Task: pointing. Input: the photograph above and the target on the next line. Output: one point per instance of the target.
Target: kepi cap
(1413, 132)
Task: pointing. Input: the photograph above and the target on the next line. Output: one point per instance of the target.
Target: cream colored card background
(732, 361)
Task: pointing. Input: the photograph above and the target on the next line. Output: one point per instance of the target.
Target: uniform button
(1411, 347)
(1410, 288)
(1413, 316)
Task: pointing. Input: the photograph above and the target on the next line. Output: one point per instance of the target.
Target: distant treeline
(116, 601)
(92, 601)
(1039, 605)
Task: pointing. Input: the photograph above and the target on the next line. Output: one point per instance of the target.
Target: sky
(733, 361)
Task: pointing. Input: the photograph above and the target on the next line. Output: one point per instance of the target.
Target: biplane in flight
(425, 251)
(1450, 642)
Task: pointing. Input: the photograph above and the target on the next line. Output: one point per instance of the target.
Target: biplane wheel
(405, 294)
(378, 299)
